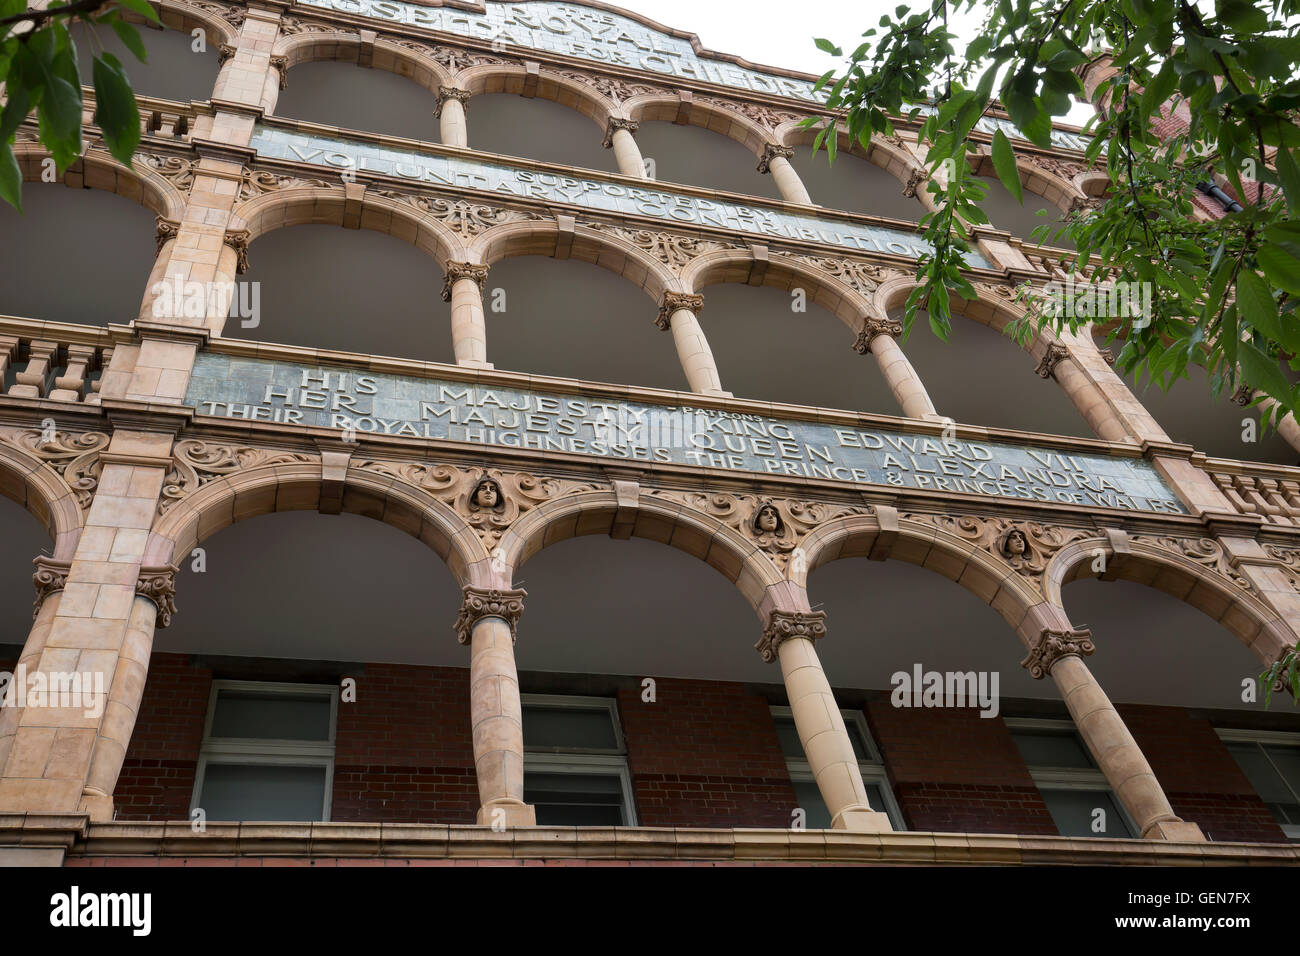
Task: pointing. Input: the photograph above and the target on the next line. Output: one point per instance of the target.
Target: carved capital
(1056, 353)
(281, 65)
(1083, 204)
(1244, 395)
(1054, 645)
(770, 152)
(446, 93)
(158, 584)
(480, 603)
(871, 327)
(617, 123)
(225, 53)
(914, 179)
(50, 576)
(463, 270)
(167, 230)
(784, 625)
(238, 240)
(674, 301)
(1107, 356)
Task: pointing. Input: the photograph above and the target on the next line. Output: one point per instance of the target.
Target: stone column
(678, 313)
(1286, 424)
(452, 128)
(1060, 652)
(789, 637)
(877, 337)
(776, 160)
(99, 626)
(463, 288)
(627, 154)
(487, 622)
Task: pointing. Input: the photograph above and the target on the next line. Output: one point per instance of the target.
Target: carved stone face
(1016, 544)
(487, 494)
(768, 520)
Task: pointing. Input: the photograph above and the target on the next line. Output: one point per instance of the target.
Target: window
(879, 793)
(575, 762)
(1271, 762)
(1068, 779)
(268, 752)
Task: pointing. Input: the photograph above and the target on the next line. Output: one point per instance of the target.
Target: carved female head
(1014, 544)
(486, 494)
(767, 520)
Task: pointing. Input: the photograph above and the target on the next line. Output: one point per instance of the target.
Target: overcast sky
(781, 33)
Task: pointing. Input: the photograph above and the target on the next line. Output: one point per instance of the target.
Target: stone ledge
(428, 841)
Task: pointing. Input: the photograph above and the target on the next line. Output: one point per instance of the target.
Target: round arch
(143, 183)
(491, 78)
(656, 519)
(663, 108)
(891, 157)
(30, 482)
(187, 17)
(296, 485)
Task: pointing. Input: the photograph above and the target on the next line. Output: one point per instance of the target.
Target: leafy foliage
(1223, 291)
(38, 66)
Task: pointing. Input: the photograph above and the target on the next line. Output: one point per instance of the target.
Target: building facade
(704, 560)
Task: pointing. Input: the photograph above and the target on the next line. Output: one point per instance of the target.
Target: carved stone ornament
(231, 14)
(74, 455)
(463, 270)
(1026, 546)
(292, 26)
(1060, 168)
(672, 302)
(616, 123)
(467, 218)
(281, 65)
(517, 492)
(480, 603)
(1107, 356)
(1204, 551)
(612, 88)
(196, 463)
(166, 230)
(765, 116)
(784, 625)
(1055, 355)
(238, 239)
(669, 248)
(862, 276)
(175, 169)
(770, 152)
(1244, 395)
(871, 327)
(1052, 645)
(158, 584)
(50, 576)
(915, 178)
(1280, 683)
(452, 58)
(446, 93)
(225, 53)
(1084, 204)
(1290, 559)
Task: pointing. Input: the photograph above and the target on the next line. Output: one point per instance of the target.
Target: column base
(507, 814)
(861, 820)
(472, 363)
(1175, 831)
(99, 806)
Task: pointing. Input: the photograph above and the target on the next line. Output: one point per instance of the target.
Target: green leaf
(826, 46)
(115, 110)
(1255, 302)
(142, 7)
(11, 177)
(1004, 162)
(1280, 267)
(130, 38)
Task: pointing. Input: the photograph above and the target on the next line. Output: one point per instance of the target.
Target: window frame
(594, 761)
(1086, 779)
(270, 751)
(1278, 738)
(872, 770)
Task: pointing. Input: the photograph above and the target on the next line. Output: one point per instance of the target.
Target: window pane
(789, 737)
(575, 728)
(575, 799)
(1263, 776)
(262, 792)
(876, 797)
(1287, 761)
(270, 716)
(1048, 748)
(1073, 811)
(860, 749)
(817, 817)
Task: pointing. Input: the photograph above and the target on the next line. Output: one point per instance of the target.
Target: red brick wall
(404, 752)
(705, 754)
(1199, 776)
(157, 780)
(953, 770)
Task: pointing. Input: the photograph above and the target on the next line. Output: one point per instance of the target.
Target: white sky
(781, 33)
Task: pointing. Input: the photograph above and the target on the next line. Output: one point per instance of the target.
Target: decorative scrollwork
(231, 14)
(1053, 645)
(613, 88)
(479, 603)
(1290, 558)
(765, 116)
(857, 275)
(1204, 551)
(785, 625)
(465, 217)
(669, 248)
(195, 463)
(1027, 546)
(158, 584)
(259, 181)
(293, 26)
(74, 455)
(50, 576)
(175, 169)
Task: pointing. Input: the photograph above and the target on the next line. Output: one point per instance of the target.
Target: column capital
(1055, 355)
(616, 123)
(463, 270)
(50, 576)
(672, 302)
(1052, 645)
(225, 53)
(871, 327)
(1244, 395)
(917, 176)
(166, 230)
(480, 603)
(784, 625)
(238, 239)
(770, 152)
(158, 584)
(281, 65)
(446, 93)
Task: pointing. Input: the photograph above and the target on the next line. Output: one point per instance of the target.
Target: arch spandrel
(219, 23)
(54, 480)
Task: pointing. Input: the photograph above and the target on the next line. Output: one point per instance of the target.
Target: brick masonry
(704, 754)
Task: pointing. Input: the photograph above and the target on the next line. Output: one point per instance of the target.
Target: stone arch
(1211, 591)
(346, 47)
(543, 237)
(656, 519)
(1059, 190)
(893, 157)
(661, 107)
(186, 17)
(490, 78)
(297, 484)
(916, 542)
(145, 182)
(31, 482)
(415, 220)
